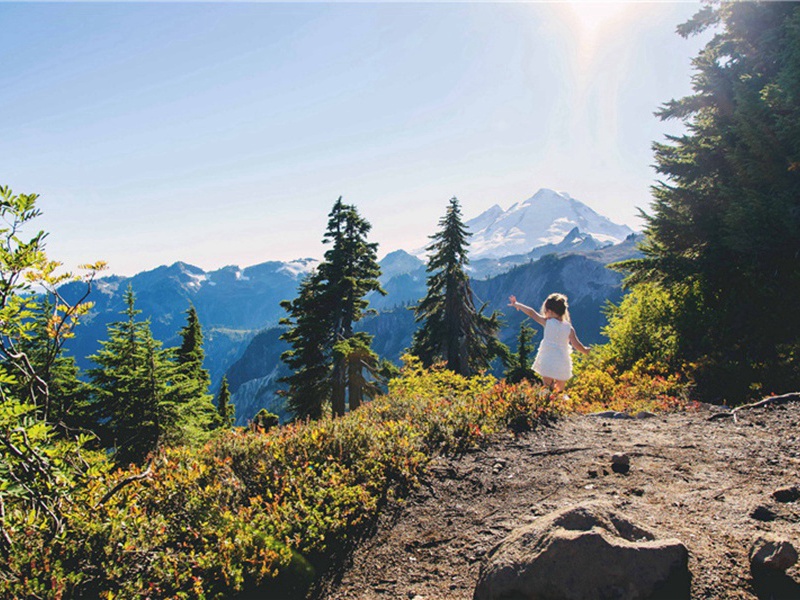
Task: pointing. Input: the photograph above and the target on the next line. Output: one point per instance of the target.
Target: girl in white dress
(553, 361)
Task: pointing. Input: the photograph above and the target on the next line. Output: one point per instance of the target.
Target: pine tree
(308, 358)
(195, 412)
(724, 233)
(131, 406)
(330, 301)
(225, 409)
(519, 366)
(452, 329)
(351, 271)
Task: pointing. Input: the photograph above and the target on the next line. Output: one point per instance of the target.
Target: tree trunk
(338, 384)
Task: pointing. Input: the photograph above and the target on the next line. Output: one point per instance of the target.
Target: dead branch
(769, 401)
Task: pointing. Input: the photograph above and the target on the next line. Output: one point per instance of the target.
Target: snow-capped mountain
(545, 218)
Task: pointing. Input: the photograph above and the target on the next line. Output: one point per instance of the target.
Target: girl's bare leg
(559, 385)
(548, 382)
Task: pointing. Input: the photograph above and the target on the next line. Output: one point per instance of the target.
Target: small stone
(762, 513)
(773, 553)
(620, 463)
(787, 494)
(622, 415)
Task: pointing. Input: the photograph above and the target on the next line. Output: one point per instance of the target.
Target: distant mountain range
(515, 251)
(232, 304)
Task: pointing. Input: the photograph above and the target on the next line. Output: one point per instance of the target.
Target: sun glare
(594, 23)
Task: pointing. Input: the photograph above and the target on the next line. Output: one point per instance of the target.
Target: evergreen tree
(452, 329)
(196, 414)
(351, 271)
(131, 405)
(225, 409)
(519, 366)
(724, 233)
(330, 301)
(308, 358)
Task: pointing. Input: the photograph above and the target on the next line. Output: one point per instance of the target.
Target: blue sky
(222, 134)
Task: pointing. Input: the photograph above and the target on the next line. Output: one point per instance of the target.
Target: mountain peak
(544, 218)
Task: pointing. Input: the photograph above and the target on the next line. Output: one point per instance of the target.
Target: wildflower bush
(600, 385)
(255, 511)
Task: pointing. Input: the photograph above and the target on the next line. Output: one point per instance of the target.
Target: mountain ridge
(544, 218)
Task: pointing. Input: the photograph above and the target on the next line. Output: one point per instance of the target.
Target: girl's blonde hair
(557, 303)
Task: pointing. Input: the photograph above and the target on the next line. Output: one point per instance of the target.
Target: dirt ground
(690, 478)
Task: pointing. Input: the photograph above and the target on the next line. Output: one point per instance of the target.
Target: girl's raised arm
(512, 301)
(576, 343)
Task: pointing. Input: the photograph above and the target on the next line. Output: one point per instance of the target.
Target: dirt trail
(690, 478)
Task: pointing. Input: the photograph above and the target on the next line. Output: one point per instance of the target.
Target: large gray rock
(584, 552)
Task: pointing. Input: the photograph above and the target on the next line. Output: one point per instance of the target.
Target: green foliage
(726, 224)
(452, 329)
(39, 470)
(57, 375)
(329, 302)
(599, 385)
(518, 367)
(643, 327)
(131, 407)
(33, 315)
(265, 420)
(253, 512)
(308, 357)
(190, 382)
(225, 409)
(143, 398)
(362, 365)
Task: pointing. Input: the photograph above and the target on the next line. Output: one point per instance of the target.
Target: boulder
(584, 552)
(772, 553)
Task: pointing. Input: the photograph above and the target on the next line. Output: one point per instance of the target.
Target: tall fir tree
(131, 403)
(225, 408)
(351, 271)
(196, 415)
(724, 233)
(309, 338)
(452, 329)
(330, 301)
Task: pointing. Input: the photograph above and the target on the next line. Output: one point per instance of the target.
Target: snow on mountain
(545, 218)
(300, 267)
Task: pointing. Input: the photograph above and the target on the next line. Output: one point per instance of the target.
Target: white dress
(553, 359)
